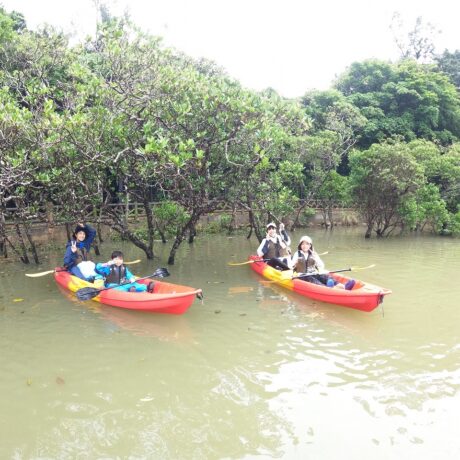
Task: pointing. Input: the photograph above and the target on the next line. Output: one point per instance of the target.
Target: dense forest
(121, 119)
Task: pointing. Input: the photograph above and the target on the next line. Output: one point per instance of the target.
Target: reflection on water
(254, 371)
(162, 327)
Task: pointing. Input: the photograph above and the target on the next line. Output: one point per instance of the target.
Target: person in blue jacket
(76, 257)
(118, 276)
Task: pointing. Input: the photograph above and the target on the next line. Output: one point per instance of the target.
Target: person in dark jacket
(76, 258)
(118, 276)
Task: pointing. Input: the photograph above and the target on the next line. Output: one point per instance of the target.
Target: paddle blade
(36, 275)
(132, 262)
(87, 293)
(234, 264)
(362, 268)
(160, 273)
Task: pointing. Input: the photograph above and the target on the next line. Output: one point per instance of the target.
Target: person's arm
(129, 276)
(284, 235)
(281, 242)
(69, 256)
(318, 262)
(263, 248)
(103, 268)
(294, 260)
(90, 235)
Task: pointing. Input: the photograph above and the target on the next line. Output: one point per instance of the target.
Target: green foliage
(382, 178)
(335, 189)
(122, 119)
(449, 63)
(305, 216)
(221, 224)
(405, 99)
(424, 208)
(454, 223)
(169, 217)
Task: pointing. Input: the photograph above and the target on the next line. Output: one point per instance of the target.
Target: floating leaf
(60, 381)
(18, 300)
(29, 381)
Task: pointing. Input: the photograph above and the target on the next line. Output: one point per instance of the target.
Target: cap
(305, 238)
(79, 228)
(271, 224)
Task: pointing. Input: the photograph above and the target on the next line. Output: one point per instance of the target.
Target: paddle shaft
(263, 260)
(48, 272)
(118, 285)
(302, 275)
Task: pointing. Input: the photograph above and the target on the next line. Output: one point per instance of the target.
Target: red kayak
(364, 296)
(173, 299)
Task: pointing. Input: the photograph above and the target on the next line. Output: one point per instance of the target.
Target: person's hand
(281, 226)
(73, 246)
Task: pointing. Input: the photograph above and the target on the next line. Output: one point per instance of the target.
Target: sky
(292, 46)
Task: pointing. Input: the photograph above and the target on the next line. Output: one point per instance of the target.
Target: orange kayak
(173, 299)
(364, 296)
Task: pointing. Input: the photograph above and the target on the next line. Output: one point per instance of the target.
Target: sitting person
(76, 258)
(306, 260)
(117, 274)
(274, 248)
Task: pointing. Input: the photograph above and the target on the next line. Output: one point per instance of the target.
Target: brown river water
(254, 371)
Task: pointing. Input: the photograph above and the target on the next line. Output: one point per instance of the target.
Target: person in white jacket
(274, 248)
(307, 261)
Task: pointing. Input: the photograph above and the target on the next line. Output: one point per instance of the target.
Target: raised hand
(73, 246)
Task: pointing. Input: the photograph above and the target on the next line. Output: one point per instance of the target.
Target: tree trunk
(189, 227)
(33, 247)
(162, 236)
(99, 231)
(296, 222)
(252, 221)
(191, 234)
(330, 216)
(175, 247)
(140, 244)
(68, 231)
(368, 231)
(324, 215)
(3, 246)
(150, 221)
(24, 257)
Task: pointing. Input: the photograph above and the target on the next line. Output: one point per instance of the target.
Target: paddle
(285, 277)
(88, 293)
(36, 275)
(233, 264)
(302, 275)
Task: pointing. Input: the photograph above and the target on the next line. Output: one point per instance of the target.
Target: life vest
(274, 249)
(305, 265)
(117, 275)
(284, 252)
